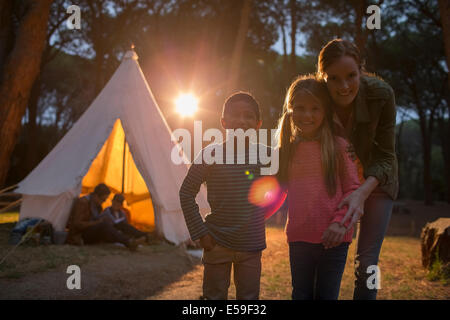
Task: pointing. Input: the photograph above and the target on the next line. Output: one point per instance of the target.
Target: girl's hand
(355, 203)
(333, 235)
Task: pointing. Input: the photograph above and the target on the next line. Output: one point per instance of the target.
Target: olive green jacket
(373, 132)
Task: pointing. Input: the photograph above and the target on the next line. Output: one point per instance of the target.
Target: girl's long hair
(287, 132)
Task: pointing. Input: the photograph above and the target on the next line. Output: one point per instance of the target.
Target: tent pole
(123, 163)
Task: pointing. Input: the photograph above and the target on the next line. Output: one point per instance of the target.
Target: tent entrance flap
(114, 166)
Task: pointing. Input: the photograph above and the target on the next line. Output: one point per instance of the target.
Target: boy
(120, 216)
(234, 232)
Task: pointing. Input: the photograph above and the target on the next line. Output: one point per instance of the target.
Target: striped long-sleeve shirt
(234, 222)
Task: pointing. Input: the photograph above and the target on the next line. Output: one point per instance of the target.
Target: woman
(365, 113)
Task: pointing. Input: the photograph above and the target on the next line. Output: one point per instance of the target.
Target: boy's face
(240, 115)
(116, 205)
(99, 199)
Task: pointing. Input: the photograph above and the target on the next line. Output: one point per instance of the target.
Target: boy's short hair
(242, 96)
(102, 190)
(119, 197)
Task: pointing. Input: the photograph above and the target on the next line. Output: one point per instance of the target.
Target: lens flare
(267, 193)
(186, 104)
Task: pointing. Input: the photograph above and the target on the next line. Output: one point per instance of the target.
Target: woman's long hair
(335, 49)
(287, 131)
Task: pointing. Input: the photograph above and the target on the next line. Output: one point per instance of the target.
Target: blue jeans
(371, 231)
(316, 272)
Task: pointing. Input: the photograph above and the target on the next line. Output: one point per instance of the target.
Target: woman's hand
(355, 203)
(333, 235)
(207, 242)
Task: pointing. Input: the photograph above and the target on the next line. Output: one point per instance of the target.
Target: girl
(319, 174)
(365, 113)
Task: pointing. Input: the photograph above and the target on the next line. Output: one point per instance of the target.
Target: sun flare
(186, 104)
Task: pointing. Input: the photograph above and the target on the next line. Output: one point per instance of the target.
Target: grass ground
(162, 271)
(402, 276)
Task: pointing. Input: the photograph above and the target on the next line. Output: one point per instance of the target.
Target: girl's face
(307, 114)
(342, 78)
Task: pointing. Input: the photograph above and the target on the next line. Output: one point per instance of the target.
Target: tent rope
(8, 188)
(24, 237)
(11, 205)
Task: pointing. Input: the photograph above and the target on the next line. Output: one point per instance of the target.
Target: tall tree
(293, 10)
(418, 79)
(239, 45)
(444, 9)
(19, 72)
(427, 13)
(444, 126)
(58, 16)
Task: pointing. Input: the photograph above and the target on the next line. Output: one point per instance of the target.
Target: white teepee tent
(94, 150)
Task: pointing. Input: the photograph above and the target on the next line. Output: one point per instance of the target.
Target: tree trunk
(32, 129)
(446, 146)
(444, 133)
(444, 9)
(426, 130)
(19, 72)
(398, 145)
(285, 55)
(6, 32)
(444, 137)
(435, 242)
(427, 172)
(293, 9)
(360, 31)
(239, 46)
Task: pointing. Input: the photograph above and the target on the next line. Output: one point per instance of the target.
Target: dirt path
(188, 287)
(118, 276)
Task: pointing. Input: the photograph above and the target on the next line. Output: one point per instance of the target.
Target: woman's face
(307, 114)
(342, 78)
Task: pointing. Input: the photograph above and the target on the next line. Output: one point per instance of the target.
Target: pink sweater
(311, 210)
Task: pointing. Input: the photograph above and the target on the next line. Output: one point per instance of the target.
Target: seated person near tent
(86, 226)
(119, 216)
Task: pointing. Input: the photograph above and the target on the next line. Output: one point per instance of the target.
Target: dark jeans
(371, 231)
(316, 272)
(104, 232)
(129, 230)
